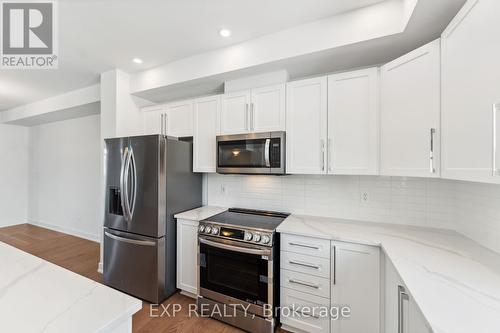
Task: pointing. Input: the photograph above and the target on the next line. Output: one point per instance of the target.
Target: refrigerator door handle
(126, 176)
(129, 240)
(134, 183)
(122, 181)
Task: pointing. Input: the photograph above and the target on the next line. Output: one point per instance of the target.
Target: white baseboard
(65, 230)
(11, 223)
(99, 267)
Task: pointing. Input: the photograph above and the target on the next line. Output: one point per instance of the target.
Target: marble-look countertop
(454, 280)
(200, 213)
(38, 296)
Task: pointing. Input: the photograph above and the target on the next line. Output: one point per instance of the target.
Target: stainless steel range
(238, 267)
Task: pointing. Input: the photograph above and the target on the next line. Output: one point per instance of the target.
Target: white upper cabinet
(175, 119)
(306, 126)
(179, 119)
(205, 129)
(153, 119)
(235, 113)
(470, 88)
(353, 123)
(410, 114)
(256, 110)
(267, 111)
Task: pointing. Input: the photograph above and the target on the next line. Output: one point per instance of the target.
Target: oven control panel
(254, 237)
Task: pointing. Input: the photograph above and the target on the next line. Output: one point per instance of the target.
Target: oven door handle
(235, 248)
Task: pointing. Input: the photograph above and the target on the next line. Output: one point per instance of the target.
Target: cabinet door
(187, 251)
(410, 111)
(470, 87)
(179, 121)
(206, 128)
(306, 126)
(398, 298)
(353, 123)
(153, 116)
(356, 283)
(267, 111)
(235, 113)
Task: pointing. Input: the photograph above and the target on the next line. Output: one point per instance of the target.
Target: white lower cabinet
(402, 314)
(318, 276)
(356, 284)
(187, 250)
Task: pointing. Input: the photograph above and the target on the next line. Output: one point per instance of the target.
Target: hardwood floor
(82, 256)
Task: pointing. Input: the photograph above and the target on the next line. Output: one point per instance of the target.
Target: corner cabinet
(410, 114)
(206, 127)
(353, 123)
(256, 110)
(306, 126)
(471, 94)
(402, 314)
(187, 260)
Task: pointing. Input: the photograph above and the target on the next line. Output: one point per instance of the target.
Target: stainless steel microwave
(253, 153)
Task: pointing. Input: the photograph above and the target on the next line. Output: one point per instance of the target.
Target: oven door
(234, 273)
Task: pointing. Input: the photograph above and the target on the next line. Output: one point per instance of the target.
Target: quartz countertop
(454, 281)
(38, 296)
(200, 213)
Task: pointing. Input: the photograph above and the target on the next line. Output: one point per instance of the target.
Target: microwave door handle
(267, 150)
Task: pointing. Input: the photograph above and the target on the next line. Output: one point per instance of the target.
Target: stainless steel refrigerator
(148, 180)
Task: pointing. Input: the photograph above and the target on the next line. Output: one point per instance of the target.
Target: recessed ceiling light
(225, 32)
(137, 60)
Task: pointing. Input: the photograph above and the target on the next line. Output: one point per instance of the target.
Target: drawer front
(302, 311)
(305, 264)
(306, 245)
(306, 283)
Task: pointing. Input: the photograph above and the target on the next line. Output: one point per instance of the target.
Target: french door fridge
(148, 180)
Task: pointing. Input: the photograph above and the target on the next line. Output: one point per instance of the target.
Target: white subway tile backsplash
(472, 209)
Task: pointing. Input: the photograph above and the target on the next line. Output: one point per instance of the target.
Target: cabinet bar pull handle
(322, 155)
(402, 296)
(298, 263)
(334, 265)
(246, 116)
(431, 153)
(495, 109)
(305, 284)
(329, 154)
(304, 245)
(252, 116)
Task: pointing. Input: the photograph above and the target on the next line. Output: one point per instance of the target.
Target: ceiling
(99, 35)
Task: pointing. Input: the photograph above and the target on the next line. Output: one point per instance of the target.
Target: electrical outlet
(365, 197)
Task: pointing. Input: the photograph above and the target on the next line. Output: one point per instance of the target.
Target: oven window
(242, 153)
(239, 275)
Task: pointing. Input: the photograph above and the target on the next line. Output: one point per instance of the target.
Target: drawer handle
(305, 245)
(305, 284)
(304, 313)
(303, 264)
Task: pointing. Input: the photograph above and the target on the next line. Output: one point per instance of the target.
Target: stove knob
(248, 236)
(266, 239)
(256, 238)
(215, 231)
(208, 229)
(201, 229)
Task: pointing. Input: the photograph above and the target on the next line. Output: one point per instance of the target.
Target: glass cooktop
(246, 218)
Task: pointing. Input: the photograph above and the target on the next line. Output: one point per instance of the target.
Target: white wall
(65, 176)
(472, 209)
(14, 147)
